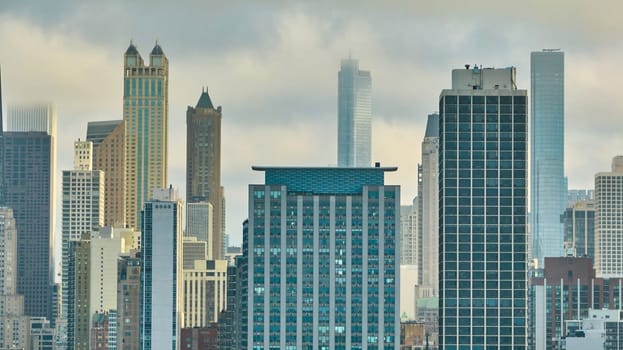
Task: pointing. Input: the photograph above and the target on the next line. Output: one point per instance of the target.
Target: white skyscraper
(354, 115)
(83, 207)
(608, 221)
(408, 234)
(161, 276)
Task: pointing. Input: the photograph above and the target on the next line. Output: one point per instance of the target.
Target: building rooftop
(131, 49)
(204, 100)
(157, 50)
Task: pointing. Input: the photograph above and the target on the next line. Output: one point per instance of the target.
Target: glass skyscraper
(322, 246)
(547, 180)
(354, 115)
(482, 208)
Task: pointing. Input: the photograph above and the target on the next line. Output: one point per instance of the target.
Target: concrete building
(428, 211)
(203, 166)
(483, 211)
(199, 223)
(204, 292)
(322, 246)
(82, 208)
(200, 338)
(42, 334)
(547, 145)
(608, 223)
(104, 331)
(354, 115)
(161, 276)
(409, 238)
(602, 329)
(29, 173)
(146, 119)
(128, 302)
(105, 251)
(409, 290)
(108, 139)
(579, 223)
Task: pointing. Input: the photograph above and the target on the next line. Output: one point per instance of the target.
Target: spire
(204, 99)
(157, 50)
(131, 49)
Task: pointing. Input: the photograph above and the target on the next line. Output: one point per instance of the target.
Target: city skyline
(299, 100)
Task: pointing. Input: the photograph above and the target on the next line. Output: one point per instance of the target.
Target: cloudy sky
(273, 66)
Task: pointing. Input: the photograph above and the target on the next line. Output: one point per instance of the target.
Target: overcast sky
(273, 66)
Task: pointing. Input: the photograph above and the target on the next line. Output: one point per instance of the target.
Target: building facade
(128, 302)
(108, 139)
(203, 165)
(547, 180)
(483, 211)
(199, 223)
(29, 172)
(608, 225)
(408, 230)
(146, 119)
(428, 202)
(354, 115)
(579, 223)
(323, 259)
(161, 271)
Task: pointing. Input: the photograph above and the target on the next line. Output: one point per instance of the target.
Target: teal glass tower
(322, 246)
(547, 151)
(482, 212)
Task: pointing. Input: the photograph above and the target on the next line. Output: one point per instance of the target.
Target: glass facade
(482, 219)
(323, 267)
(579, 223)
(548, 185)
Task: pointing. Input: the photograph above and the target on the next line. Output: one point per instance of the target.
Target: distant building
(128, 302)
(146, 119)
(204, 338)
(323, 259)
(199, 223)
(42, 334)
(608, 225)
(203, 168)
(354, 114)
(579, 223)
(29, 177)
(108, 139)
(408, 292)
(409, 235)
(483, 257)
(547, 153)
(574, 196)
(78, 293)
(161, 277)
(602, 329)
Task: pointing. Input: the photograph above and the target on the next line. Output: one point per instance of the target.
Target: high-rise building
(78, 293)
(145, 115)
(203, 165)
(408, 234)
(204, 292)
(574, 196)
(483, 211)
(322, 246)
(579, 222)
(608, 225)
(105, 251)
(428, 203)
(354, 115)
(547, 180)
(161, 276)
(29, 172)
(83, 208)
(128, 302)
(108, 139)
(199, 223)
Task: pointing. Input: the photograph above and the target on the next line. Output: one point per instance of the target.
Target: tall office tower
(203, 164)
(354, 115)
(29, 171)
(579, 222)
(83, 208)
(323, 259)
(108, 139)
(78, 293)
(146, 119)
(199, 223)
(128, 302)
(428, 201)
(408, 234)
(608, 226)
(548, 186)
(483, 211)
(161, 276)
(105, 251)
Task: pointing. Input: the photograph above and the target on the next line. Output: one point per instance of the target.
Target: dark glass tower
(482, 212)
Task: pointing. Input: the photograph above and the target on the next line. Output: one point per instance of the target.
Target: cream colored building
(145, 114)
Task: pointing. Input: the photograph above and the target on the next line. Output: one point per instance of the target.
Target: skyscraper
(579, 222)
(428, 202)
(161, 277)
(354, 114)
(203, 165)
(548, 186)
(29, 168)
(128, 302)
(83, 208)
(608, 225)
(108, 139)
(199, 219)
(146, 117)
(323, 259)
(408, 234)
(482, 207)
